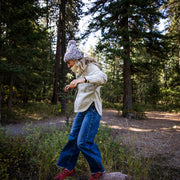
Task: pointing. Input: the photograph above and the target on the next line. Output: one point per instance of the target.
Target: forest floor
(157, 136)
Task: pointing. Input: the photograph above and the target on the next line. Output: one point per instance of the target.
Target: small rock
(115, 176)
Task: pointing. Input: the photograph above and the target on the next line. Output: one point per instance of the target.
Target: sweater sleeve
(95, 75)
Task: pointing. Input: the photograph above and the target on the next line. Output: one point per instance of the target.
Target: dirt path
(158, 135)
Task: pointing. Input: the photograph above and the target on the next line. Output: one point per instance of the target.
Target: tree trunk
(1, 72)
(60, 51)
(63, 67)
(127, 98)
(56, 69)
(179, 45)
(47, 26)
(9, 110)
(0, 102)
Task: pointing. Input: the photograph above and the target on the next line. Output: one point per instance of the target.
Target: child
(88, 107)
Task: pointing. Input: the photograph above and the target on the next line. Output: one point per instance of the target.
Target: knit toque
(72, 53)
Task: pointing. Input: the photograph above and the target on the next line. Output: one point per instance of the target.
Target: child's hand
(67, 88)
(74, 83)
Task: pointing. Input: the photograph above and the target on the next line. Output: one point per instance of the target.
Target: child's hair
(83, 62)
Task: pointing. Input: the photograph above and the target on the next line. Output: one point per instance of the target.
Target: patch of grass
(34, 156)
(32, 111)
(37, 111)
(119, 157)
(159, 170)
(41, 109)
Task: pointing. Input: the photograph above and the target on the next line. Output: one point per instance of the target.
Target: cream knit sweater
(89, 92)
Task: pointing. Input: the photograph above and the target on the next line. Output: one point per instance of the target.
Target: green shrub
(110, 105)
(32, 156)
(13, 156)
(139, 111)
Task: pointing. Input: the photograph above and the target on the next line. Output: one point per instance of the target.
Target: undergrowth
(34, 155)
(36, 111)
(31, 111)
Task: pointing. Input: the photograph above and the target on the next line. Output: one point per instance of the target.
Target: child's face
(70, 63)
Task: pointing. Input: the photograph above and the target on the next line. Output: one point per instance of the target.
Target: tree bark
(63, 67)
(60, 51)
(56, 69)
(0, 59)
(10, 95)
(127, 98)
(0, 103)
(47, 26)
(179, 43)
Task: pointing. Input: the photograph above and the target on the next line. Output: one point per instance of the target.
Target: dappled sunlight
(136, 129)
(118, 127)
(131, 129)
(55, 122)
(163, 115)
(155, 121)
(35, 116)
(174, 128)
(158, 134)
(128, 128)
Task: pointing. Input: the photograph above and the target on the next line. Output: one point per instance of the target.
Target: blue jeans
(81, 138)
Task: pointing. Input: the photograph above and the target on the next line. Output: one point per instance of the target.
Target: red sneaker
(96, 176)
(65, 173)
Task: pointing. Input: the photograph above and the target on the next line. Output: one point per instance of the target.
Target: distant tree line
(141, 62)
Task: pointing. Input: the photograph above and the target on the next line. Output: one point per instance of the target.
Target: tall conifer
(124, 22)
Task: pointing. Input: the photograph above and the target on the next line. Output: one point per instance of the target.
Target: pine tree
(172, 66)
(22, 52)
(125, 23)
(69, 14)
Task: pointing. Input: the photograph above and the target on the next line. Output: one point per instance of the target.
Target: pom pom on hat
(72, 52)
